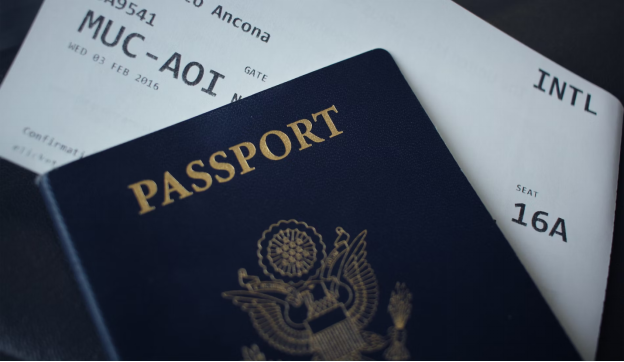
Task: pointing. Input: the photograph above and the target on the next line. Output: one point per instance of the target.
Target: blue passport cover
(323, 218)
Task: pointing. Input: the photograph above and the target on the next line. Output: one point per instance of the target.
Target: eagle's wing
(358, 273)
(267, 317)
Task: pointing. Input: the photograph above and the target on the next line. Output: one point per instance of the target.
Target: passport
(323, 218)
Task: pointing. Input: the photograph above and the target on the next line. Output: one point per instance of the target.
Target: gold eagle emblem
(315, 303)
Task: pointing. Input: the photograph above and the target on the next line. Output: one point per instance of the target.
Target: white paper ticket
(539, 144)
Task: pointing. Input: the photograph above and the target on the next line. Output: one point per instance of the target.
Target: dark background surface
(42, 315)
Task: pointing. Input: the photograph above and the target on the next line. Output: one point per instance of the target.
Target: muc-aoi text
(146, 191)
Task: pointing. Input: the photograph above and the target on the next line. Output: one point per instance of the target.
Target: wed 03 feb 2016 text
(192, 73)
